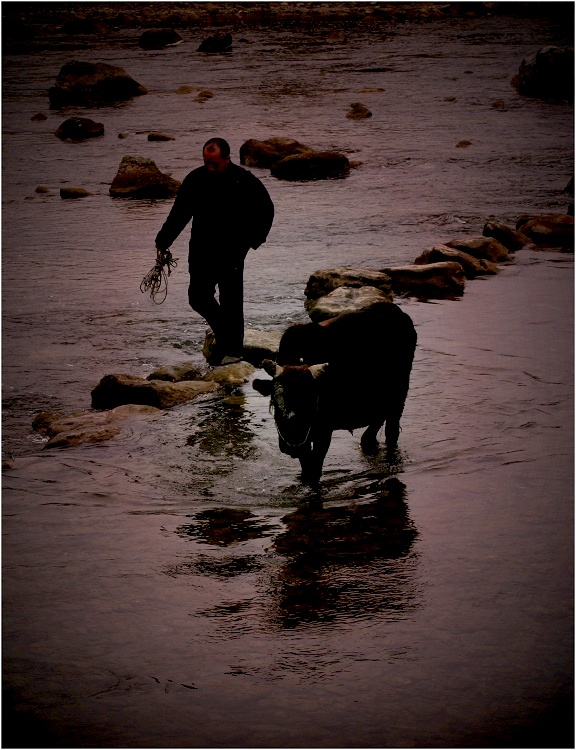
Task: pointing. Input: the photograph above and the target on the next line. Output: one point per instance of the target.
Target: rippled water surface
(178, 586)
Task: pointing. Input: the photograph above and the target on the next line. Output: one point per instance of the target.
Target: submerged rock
(89, 84)
(318, 165)
(255, 153)
(76, 129)
(220, 42)
(139, 177)
(71, 193)
(159, 38)
(157, 135)
(358, 111)
(86, 427)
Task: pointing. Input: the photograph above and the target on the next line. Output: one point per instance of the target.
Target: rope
(156, 280)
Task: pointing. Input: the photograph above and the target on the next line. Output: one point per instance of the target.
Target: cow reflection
(349, 562)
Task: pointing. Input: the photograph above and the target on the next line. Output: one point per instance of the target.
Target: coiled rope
(156, 280)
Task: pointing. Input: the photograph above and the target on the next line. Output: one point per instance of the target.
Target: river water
(178, 586)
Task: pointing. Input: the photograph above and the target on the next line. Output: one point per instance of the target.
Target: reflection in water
(328, 563)
(346, 561)
(225, 526)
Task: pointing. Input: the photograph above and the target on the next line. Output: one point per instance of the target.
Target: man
(231, 212)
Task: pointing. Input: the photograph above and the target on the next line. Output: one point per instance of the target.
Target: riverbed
(178, 586)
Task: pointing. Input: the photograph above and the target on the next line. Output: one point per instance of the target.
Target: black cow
(344, 373)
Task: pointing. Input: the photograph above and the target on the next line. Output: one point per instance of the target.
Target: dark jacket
(231, 211)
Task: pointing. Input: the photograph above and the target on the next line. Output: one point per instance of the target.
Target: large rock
(139, 177)
(231, 376)
(87, 427)
(91, 84)
(318, 165)
(255, 153)
(260, 345)
(325, 281)
(549, 230)
(512, 239)
(345, 299)
(487, 248)
(77, 129)
(257, 346)
(549, 74)
(435, 280)
(472, 266)
(159, 38)
(115, 390)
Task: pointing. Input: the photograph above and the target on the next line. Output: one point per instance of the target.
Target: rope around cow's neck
(274, 406)
(156, 280)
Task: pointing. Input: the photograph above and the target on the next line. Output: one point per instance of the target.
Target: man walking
(231, 212)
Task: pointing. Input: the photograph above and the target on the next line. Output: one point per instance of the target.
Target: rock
(38, 117)
(345, 299)
(72, 193)
(139, 177)
(254, 153)
(87, 427)
(91, 84)
(549, 74)
(184, 89)
(42, 421)
(318, 165)
(203, 96)
(220, 42)
(115, 390)
(260, 345)
(231, 376)
(42, 189)
(176, 373)
(358, 111)
(472, 266)
(463, 144)
(434, 280)
(325, 281)
(488, 248)
(512, 239)
(156, 135)
(159, 38)
(550, 230)
(77, 129)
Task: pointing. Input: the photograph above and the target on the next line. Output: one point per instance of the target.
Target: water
(160, 589)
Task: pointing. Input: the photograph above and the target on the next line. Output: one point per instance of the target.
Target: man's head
(216, 154)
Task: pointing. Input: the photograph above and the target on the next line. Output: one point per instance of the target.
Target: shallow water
(178, 586)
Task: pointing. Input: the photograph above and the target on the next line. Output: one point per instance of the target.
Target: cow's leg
(369, 440)
(313, 460)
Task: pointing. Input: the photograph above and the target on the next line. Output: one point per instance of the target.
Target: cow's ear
(318, 371)
(271, 368)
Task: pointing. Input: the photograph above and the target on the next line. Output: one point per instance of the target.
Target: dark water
(178, 586)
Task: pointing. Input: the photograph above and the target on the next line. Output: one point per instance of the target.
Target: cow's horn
(318, 370)
(271, 368)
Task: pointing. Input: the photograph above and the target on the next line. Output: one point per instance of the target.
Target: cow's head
(294, 393)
